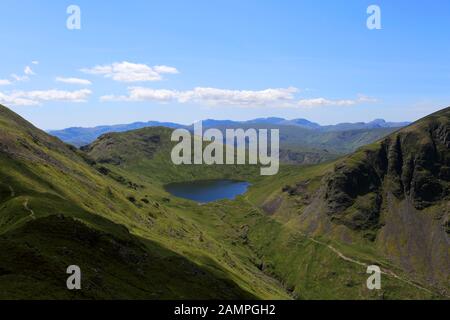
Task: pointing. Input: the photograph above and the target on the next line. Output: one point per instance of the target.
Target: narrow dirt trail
(383, 270)
(25, 205)
(352, 260)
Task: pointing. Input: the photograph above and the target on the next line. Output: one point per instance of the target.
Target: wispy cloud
(77, 81)
(272, 97)
(210, 96)
(131, 72)
(324, 102)
(18, 78)
(246, 98)
(144, 94)
(5, 82)
(134, 72)
(28, 71)
(165, 69)
(36, 97)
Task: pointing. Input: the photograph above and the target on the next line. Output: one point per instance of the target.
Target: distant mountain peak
(267, 119)
(83, 136)
(378, 121)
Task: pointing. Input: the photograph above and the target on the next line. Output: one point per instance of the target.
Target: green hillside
(388, 202)
(56, 210)
(333, 142)
(105, 209)
(298, 144)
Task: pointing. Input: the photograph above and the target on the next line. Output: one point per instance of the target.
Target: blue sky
(184, 61)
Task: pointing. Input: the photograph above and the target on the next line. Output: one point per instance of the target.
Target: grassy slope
(298, 140)
(334, 142)
(411, 243)
(246, 231)
(312, 269)
(228, 249)
(42, 178)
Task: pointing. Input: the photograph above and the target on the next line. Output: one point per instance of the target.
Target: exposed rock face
(396, 194)
(412, 164)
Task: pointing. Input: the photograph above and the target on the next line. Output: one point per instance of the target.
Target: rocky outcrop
(413, 163)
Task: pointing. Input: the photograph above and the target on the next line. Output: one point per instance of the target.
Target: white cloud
(25, 77)
(278, 97)
(35, 62)
(36, 97)
(28, 71)
(323, 102)
(78, 81)
(13, 100)
(19, 78)
(165, 69)
(214, 96)
(144, 94)
(58, 95)
(210, 96)
(131, 72)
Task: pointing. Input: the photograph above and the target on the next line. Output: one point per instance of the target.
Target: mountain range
(82, 136)
(309, 232)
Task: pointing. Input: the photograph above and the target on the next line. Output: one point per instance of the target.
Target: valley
(301, 141)
(308, 232)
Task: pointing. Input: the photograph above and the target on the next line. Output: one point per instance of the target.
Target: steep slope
(260, 223)
(147, 141)
(391, 198)
(377, 123)
(333, 143)
(400, 190)
(57, 209)
(104, 208)
(146, 153)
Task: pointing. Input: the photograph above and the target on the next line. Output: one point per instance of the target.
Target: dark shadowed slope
(56, 210)
(293, 235)
(283, 219)
(391, 198)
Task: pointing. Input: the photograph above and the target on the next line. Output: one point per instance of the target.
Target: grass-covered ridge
(43, 178)
(61, 206)
(388, 202)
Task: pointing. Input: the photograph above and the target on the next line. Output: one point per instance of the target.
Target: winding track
(383, 270)
(351, 260)
(330, 247)
(25, 205)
